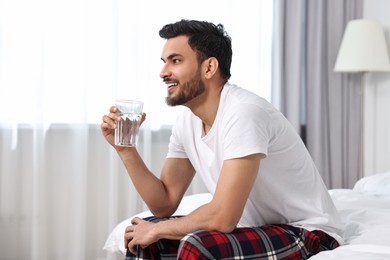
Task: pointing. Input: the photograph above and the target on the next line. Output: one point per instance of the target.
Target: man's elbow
(223, 224)
(225, 228)
(163, 212)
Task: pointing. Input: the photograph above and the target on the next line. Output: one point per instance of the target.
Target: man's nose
(164, 72)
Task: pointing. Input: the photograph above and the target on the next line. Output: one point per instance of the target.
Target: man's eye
(176, 61)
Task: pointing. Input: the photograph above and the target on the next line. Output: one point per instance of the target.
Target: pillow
(115, 241)
(378, 184)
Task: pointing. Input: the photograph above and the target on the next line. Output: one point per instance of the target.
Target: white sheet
(365, 211)
(355, 252)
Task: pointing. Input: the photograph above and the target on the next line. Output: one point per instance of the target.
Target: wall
(377, 100)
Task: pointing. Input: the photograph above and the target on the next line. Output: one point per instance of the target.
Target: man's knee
(193, 246)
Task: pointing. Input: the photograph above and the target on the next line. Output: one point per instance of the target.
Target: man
(268, 197)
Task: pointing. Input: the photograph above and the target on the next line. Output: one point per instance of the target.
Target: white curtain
(62, 64)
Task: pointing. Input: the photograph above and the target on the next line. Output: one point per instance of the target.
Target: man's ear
(211, 66)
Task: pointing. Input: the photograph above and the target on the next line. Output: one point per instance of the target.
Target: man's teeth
(172, 84)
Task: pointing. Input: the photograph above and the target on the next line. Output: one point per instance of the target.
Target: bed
(365, 211)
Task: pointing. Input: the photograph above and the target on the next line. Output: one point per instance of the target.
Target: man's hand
(110, 123)
(139, 235)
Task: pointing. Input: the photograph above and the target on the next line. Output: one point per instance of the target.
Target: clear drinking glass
(126, 134)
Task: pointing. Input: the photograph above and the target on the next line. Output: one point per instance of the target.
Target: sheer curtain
(321, 104)
(62, 64)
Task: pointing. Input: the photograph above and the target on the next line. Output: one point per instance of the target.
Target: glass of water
(130, 111)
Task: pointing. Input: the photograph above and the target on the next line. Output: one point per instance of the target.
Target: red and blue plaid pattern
(266, 242)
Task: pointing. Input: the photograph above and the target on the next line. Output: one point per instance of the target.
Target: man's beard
(188, 91)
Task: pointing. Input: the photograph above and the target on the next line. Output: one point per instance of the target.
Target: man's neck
(206, 106)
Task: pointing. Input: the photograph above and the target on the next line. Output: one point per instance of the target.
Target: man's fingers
(109, 121)
(143, 117)
(130, 243)
(128, 236)
(113, 109)
(135, 220)
(134, 248)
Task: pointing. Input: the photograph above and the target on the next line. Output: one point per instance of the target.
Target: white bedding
(365, 211)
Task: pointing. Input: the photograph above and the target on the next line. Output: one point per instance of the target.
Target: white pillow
(378, 184)
(115, 241)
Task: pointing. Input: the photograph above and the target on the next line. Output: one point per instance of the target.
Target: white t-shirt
(288, 188)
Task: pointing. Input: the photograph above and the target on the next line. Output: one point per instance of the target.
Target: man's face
(181, 71)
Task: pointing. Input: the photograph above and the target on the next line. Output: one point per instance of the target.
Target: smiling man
(269, 200)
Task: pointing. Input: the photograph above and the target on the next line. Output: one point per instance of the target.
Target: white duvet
(365, 211)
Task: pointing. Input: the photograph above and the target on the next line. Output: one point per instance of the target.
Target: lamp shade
(363, 48)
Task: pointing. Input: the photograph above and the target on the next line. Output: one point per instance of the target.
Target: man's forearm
(150, 188)
(206, 217)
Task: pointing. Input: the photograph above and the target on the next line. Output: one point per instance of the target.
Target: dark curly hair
(206, 39)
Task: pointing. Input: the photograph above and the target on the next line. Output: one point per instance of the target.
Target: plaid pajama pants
(269, 242)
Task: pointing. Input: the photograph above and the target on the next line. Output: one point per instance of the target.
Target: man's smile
(171, 85)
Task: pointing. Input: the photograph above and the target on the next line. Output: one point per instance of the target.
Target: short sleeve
(245, 131)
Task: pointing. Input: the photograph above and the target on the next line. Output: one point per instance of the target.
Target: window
(66, 61)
